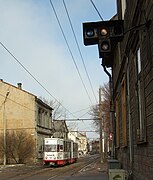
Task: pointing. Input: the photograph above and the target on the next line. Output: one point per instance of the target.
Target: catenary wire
(80, 55)
(15, 103)
(32, 76)
(79, 49)
(81, 110)
(70, 50)
(84, 114)
(96, 10)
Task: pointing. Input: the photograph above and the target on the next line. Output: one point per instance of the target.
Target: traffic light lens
(90, 32)
(118, 30)
(105, 45)
(104, 32)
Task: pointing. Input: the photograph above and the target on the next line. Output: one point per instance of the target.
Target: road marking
(52, 177)
(85, 168)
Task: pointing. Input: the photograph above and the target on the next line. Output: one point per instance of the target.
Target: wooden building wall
(133, 90)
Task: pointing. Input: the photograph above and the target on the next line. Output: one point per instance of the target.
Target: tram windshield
(50, 148)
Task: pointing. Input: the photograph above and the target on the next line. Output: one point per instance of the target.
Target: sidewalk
(3, 167)
(95, 169)
(101, 167)
(98, 171)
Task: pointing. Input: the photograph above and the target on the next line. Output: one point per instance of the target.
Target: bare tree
(106, 115)
(58, 110)
(94, 112)
(19, 147)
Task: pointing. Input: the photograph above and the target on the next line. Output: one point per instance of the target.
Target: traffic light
(95, 31)
(105, 34)
(117, 30)
(104, 43)
(113, 28)
(90, 33)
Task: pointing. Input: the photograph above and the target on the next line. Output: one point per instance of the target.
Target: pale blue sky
(29, 29)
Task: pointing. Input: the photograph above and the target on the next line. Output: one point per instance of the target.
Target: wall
(23, 111)
(19, 108)
(136, 155)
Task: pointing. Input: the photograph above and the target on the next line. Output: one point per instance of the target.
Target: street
(87, 168)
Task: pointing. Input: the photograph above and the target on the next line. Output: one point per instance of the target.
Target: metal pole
(4, 124)
(100, 124)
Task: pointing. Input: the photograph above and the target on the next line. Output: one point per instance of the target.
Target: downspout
(111, 111)
(130, 133)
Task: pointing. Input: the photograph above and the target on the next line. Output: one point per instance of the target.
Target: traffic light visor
(118, 30)
(104, 45)
(90, 34)
(104, 32)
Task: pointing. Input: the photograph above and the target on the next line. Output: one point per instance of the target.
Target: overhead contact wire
(70, 50)
(96, 10)
(32, 75)
(79, 49)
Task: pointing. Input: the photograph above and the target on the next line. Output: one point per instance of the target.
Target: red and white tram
(59, 151)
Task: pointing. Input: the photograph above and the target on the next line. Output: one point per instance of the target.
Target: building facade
(95, 147)
(82, 143)
(132, 76)
(73, 136)
(60, 129)
(23, 111)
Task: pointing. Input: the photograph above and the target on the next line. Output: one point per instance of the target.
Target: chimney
(19, 85)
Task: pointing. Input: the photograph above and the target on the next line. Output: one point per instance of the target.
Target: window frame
(140, 98)
(123, 7)
(117, 122)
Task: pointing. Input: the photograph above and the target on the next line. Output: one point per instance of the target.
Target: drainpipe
(111, 111)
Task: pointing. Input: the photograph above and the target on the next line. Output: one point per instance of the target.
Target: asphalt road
(87, 168)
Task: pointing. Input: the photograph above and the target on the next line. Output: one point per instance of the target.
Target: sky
(29, 29)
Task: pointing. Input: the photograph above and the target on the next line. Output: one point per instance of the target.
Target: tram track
(81, 166)
(76, 168)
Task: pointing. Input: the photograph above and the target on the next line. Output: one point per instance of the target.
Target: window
(40, 149)
(45, 119)
(123, 108)
(117, 122)
(123, 5)
(50, 148)
(39, 117)
(141, 132)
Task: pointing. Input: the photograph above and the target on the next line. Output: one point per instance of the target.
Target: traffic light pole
(100, 124)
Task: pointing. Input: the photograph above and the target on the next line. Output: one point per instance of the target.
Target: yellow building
(82, 143)
(23, 111)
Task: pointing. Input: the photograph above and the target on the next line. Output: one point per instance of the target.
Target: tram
(58, 152)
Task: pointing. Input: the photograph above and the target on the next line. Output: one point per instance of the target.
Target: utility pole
(100, 124)
(4, 124)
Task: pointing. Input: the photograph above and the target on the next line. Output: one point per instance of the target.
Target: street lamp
(4, 124)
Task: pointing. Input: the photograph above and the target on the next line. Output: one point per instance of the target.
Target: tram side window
(75, 147)
(65, 146)
(69, 147)
(50, 148)
(59, 148)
